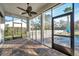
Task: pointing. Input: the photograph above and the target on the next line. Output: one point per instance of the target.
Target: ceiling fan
(28, 10)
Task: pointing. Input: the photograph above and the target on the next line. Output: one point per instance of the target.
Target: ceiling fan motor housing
(29, 9)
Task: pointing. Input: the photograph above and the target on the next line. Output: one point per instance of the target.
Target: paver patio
(24, 47)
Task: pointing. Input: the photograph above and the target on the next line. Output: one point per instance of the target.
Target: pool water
(65, 41)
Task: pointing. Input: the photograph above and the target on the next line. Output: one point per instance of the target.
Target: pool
(65, 41)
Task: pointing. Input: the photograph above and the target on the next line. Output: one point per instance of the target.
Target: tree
(47, 22)
(68, 9)
(63, 24)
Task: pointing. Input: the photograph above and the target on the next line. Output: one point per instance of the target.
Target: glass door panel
(62, 31)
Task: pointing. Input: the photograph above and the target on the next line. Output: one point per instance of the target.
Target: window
(24, 28)
(62, 31)
(35, 25)
(15, 27)
(8, 27)
(47, 17)
(62, 9)
(31, 29)
(34, 29)
(62, 28)
(17, 30)
(8, 18)
(17, 20)
(76, 27)
(38, 28)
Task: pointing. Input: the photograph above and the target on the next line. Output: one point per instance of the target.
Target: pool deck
(24, 47)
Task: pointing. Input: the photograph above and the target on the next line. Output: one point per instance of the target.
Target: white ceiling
(12, 7)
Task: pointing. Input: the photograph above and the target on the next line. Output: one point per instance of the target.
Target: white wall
(1, 25)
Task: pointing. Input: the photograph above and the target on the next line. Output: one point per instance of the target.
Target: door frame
(59, 47)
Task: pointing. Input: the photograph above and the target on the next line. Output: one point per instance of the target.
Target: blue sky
(76, 11)
(60, 9)
(9, 20)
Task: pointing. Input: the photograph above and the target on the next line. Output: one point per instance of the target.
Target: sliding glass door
(62, 31)
(63, 34)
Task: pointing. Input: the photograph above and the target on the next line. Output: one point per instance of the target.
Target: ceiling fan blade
(33, 12)
(23, 13)
(21, 8)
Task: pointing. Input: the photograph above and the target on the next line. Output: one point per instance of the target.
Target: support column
(42, 29)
